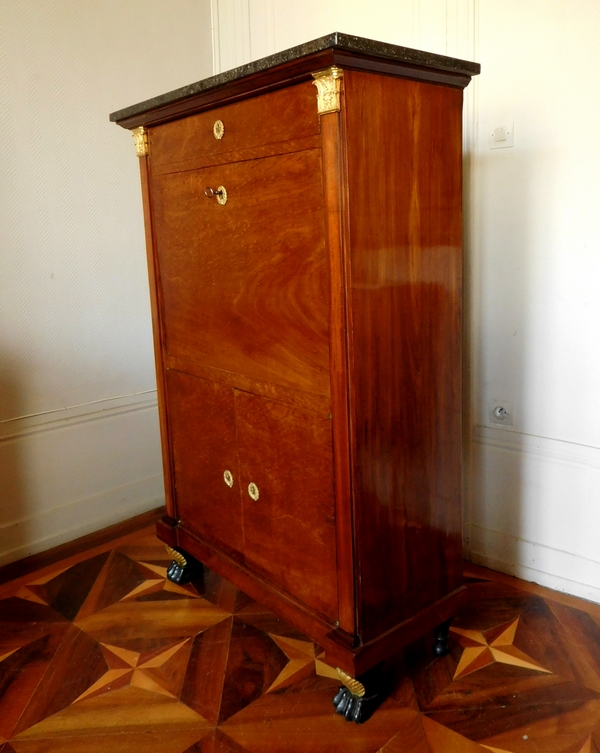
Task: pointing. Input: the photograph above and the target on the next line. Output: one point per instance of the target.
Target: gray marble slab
(337, 40)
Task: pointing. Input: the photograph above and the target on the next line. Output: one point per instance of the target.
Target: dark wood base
(361, 658)
(341, 649)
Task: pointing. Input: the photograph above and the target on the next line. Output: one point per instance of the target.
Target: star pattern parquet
(104, 654)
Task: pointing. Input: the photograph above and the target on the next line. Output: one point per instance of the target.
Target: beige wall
(533, 254)
(79, 444)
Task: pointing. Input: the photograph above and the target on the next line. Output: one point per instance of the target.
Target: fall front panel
(244, 285)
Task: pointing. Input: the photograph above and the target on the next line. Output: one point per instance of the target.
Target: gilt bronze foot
(184, 568)
(357, 699)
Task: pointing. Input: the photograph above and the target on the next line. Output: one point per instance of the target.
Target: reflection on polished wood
(406, 312)
(101, 653)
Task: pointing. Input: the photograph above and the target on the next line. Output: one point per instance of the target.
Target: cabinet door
(289, 518)
(244, 285)
(201, 426)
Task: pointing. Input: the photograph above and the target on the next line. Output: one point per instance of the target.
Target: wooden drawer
(282, 115)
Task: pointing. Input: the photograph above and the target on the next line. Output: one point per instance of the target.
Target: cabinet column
(334, 189)
(142, 148)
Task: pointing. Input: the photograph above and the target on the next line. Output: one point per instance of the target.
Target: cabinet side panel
(404, 173)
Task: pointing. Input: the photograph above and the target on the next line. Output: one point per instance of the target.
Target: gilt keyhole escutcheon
(220, 194)
(218, 129)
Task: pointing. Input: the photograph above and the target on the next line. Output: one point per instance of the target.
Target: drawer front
(201, 425)
(286, 483)
(279, 116)
(245, 285)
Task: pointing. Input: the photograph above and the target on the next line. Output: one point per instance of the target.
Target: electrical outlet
(501, 413)
(502, 136)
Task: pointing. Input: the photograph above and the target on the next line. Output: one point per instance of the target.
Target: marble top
(337, 40)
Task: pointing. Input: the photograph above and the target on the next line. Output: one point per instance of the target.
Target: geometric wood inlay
(478, 653)
(106, 654)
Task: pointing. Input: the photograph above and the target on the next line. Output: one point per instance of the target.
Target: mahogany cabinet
(303, 226)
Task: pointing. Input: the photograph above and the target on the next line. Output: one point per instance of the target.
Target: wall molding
(471, 221)
(231, 34)
(546, 448)
(216, 42)
(14, 428)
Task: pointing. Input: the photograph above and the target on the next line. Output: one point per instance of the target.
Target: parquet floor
(100, 653)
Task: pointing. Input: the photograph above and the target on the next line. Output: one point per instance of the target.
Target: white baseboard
(68, 473)
(534, 510)
(45, 530)
(562, 571)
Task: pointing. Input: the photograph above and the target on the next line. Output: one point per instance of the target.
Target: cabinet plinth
(305, 259)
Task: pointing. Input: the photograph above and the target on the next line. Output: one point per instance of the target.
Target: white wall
(533, 254)
(79, 445)
(536, 495)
